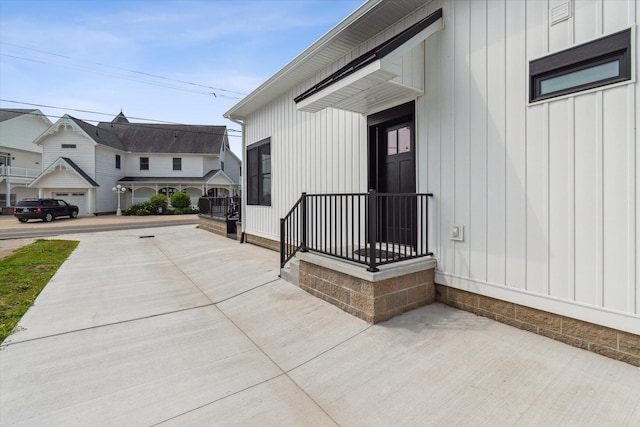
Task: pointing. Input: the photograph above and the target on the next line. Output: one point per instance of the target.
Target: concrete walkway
(177, 326)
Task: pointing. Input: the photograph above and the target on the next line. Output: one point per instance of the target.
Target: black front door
(392, 172)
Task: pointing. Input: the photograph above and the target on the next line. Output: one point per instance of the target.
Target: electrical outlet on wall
(457, 232)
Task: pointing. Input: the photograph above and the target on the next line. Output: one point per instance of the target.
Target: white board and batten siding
(323, 152)
(547, 192)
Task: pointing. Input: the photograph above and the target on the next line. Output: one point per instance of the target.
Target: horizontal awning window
(371, 79)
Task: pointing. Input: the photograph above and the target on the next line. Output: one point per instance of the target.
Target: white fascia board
(340, 84)
(300, 59)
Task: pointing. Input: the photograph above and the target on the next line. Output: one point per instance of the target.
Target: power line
(124, 77)
(141, 125)
(125, 69)
(81, 67)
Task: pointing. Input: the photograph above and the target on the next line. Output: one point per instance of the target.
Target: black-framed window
(69, 146)
(117, 161)
(259, 173)
(144, 163)
(590, 65)
(177, 163)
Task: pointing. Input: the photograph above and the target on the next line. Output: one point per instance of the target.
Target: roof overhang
(63, 163)
(63, 123)
(367, 21)
(372, 81)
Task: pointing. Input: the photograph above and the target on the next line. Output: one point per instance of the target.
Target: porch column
(8, 187)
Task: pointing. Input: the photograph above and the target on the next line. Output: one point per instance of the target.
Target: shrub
(144, 208)
(187, 210)
(180, 200)
(158, 201)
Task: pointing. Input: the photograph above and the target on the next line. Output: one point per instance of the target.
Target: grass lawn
(24, 274)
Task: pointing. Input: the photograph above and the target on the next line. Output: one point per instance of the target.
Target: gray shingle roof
(100, 136)
(155, 138)
(81, 172)
(10, 113)
(167, 138)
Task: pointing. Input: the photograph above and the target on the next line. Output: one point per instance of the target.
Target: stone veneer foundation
(373, 297)
(605, 341)
(213, 225)
(262, 242)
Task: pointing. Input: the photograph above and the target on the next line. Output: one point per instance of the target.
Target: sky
(179, 61)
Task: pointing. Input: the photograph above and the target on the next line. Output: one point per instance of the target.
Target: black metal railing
(220, 207)
(367, 228)
(291, 226)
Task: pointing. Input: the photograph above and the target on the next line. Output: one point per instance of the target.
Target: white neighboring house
(20, 158)
(521, 118)
(83, 162)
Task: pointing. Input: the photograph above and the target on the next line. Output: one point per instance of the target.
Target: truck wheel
(48, 217)
(23, 219)
(74, 214)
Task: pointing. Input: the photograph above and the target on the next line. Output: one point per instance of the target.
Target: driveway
(178, 326)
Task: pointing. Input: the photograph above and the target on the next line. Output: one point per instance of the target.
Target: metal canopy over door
(392, 171)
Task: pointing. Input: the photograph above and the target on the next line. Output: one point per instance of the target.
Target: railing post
(427, 225)
(282, 244)
(303, 238)
(373, 227)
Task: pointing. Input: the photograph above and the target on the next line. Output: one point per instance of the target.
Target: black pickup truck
(44, 209)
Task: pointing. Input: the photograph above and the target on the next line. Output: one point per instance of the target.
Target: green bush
(158, 201)
(144, 208)
(187, 210)
(180, 200)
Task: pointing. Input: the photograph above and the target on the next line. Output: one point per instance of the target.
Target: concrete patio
(178, 326)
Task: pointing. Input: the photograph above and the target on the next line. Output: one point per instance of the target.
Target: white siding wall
(107, 176)
(547, 192)
(162, 165)
(210, 163)
(323, 152)
(20, 132)
(24, 159)
(231, 165)
(83, 155)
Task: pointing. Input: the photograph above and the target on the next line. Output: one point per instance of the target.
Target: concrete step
(291, 271)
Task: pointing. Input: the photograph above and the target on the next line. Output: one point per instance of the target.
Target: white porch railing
(19, 172)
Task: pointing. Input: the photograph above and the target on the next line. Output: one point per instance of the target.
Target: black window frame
(144, 163)
(616, 46)
(118, 161)
(178, 163)
(69, 146)
(256, 176)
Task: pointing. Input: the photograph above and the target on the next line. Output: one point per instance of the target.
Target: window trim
(261, 199)
(173, 161)
(147, 165)
(616, 46)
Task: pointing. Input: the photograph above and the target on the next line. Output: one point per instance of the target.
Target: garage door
(78, 199)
